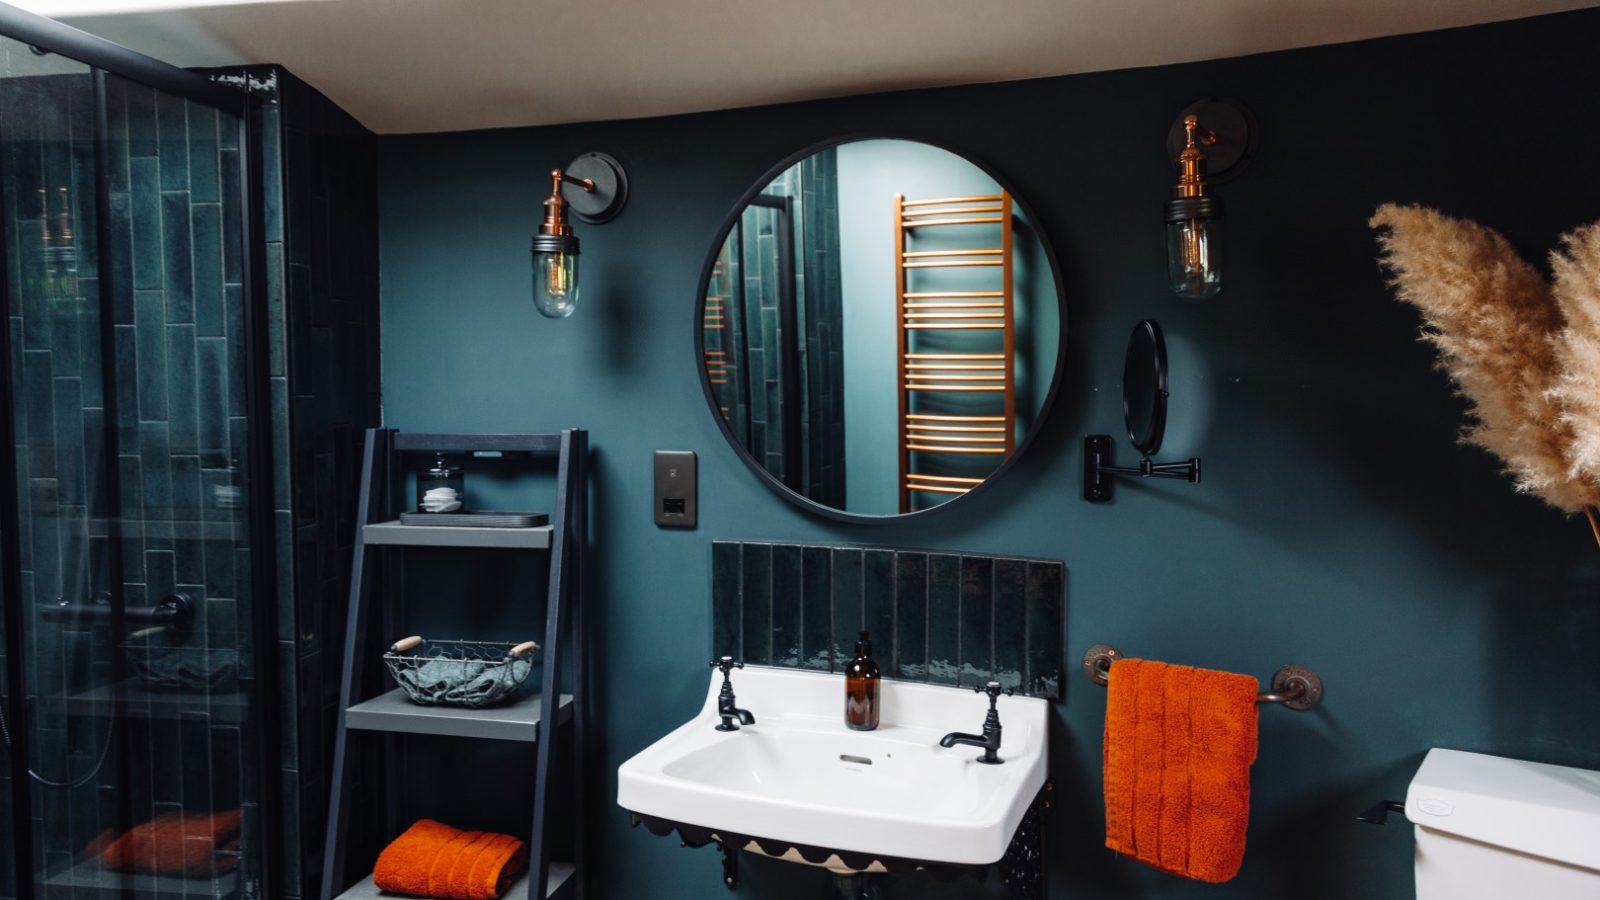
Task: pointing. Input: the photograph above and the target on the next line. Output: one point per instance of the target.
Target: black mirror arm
(1098, 472)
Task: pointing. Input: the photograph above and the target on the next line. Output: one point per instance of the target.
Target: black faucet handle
(727, 664)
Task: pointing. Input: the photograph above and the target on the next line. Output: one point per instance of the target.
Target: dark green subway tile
(911, 616)
(283, 529)
(177, 261)
(977, 619)
(1010, 622)
(755, 598)
(211, 400)
(155, 460)
(182, 403)
(272, 199)
(151, 367)
(172, 141)
(89, 338)
(232, 220)
(786, 621)
(210, 310)
(144, 209)
(140, 111)
(1046, 616)
(816, 607)
(281, 487)
(277, 306)
(944, 618)
(726, 623)
(119, 257)
(38, 412)
(847, 605)
(203, 149)
(125, 341)
(877, 603)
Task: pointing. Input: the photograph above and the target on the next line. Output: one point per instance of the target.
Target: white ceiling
(443, 65)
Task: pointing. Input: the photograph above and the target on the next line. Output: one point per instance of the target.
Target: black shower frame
(105, 58)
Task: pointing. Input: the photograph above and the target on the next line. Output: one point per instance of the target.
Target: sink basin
(799, 775)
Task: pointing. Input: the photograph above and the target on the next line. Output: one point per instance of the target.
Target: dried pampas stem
(1594, 524)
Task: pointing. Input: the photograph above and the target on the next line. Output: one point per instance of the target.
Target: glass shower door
(129, 572)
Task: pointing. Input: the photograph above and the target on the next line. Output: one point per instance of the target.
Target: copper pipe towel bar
(1296, 687)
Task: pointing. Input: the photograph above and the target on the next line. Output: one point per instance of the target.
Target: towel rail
(1296, 687)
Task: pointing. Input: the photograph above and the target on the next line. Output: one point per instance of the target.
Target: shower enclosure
(137, 570)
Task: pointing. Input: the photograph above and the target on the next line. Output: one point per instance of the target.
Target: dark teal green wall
(1340, 524)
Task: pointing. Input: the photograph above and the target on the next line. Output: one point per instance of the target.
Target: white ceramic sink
(799, 775)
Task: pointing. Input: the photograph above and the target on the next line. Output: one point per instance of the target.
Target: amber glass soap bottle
(861, 688)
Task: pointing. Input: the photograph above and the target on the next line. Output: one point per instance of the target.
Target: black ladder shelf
(537, 719)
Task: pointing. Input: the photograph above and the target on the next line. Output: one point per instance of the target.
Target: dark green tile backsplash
(944, 618)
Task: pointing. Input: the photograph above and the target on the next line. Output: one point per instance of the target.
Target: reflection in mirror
(1144, 387)
(881, 327)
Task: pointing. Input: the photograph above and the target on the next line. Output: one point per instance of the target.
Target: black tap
(990, 739)
(725, 701)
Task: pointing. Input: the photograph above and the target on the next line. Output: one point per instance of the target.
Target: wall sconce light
(1210, 143)
(593, 188)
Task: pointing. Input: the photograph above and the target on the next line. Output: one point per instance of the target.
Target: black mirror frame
(778, 487)
(1158, 413)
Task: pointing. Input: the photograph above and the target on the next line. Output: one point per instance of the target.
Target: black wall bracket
(1098, 470)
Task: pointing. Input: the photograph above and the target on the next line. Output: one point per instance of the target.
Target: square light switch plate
(676, 503)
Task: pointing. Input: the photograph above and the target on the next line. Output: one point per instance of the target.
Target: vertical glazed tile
(151, 367)
(232, 219)
(786, 622)
(977, 619)
(172, 142)
(203, 148)
(911, 616)
(182, 405)
(944, 618)
(816, 607)
(155, 460)
(210, 313)
(118, 261)
(145, 215)
(848, 613)
(140, 110)
(1010, 622)
(755, 599)
(877, 603)
(177, 263)
(726, 623)
(211, 379)
(1045, 625)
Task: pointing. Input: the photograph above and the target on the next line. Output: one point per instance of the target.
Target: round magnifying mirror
(1144, 387)
(879, 328)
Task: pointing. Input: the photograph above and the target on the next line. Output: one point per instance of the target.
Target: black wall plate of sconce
(1229, 136)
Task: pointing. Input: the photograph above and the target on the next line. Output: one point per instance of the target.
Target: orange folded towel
(190, 844)
(431, 859)
(1179, 742)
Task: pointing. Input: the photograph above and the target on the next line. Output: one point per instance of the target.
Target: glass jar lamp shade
(555, 274)
(1194, 247)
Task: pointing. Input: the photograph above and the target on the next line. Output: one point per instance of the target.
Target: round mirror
(1144, 387)
(880, 328)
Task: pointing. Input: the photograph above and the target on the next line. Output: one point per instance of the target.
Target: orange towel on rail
(1179, 742)
(432, 859)
(189, 844)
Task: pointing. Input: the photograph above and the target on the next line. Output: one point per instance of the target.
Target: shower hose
(105, 750)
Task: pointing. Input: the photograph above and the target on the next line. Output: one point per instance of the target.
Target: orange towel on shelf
(1179, 742)
(190, 844)
(431, 859)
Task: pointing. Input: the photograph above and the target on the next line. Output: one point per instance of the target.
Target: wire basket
(459, 673)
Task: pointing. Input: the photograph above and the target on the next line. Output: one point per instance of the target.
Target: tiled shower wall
(176, 265)
(320, 210)
(938, 617)
(173, 270)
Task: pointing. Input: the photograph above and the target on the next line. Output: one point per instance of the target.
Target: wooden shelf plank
(395, 534)
(559, 883)
(396, 712)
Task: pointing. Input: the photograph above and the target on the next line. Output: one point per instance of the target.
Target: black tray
(477, 519)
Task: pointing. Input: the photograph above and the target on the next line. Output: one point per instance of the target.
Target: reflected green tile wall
(1340, 524)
